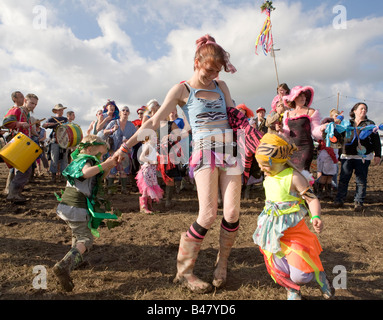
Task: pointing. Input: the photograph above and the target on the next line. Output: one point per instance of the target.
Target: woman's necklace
(296, 113)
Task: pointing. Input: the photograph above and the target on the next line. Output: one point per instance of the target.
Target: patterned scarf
(248, 142)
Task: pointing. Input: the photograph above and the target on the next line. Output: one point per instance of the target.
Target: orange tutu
(301, 248)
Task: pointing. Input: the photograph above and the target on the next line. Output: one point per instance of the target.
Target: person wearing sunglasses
(117, 132)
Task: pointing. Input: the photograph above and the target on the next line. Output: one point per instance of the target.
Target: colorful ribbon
(265, 38)
(345, 126)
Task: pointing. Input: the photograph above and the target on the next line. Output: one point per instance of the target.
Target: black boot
(329, 194)
(63, 268)
(320, 193)
(110, 185)
(169, 196)
(246, 195)
(124, 185)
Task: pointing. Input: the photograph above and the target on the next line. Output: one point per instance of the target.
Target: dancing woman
(204, 101)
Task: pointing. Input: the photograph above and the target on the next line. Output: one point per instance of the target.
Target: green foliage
(267, 5)
(112, 224)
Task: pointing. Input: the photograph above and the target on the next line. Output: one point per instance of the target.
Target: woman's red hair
(249, 113)
(208, 51)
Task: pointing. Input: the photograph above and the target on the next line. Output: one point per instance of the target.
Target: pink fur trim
(296, 91)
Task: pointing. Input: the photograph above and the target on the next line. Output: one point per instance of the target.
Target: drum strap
(26, 115)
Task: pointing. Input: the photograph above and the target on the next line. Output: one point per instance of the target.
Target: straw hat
(58, 107)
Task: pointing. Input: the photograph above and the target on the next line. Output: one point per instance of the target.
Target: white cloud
(83, 74)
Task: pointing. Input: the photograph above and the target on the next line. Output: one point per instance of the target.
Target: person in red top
(137, 123)
(18, 119)
(18, 101)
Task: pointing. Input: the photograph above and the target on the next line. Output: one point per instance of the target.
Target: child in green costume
(84, 174)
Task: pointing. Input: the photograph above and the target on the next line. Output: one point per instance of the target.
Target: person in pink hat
(301, 124)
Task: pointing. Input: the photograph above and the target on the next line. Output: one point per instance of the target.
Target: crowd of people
(138, 153)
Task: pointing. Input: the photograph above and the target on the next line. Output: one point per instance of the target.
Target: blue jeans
(361, 172)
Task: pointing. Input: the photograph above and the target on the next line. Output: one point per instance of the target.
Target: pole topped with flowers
(265, 37)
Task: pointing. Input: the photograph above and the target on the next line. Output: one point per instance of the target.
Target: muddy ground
(137, 260)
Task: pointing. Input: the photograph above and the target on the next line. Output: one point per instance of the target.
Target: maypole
(275, 63)
(265, 37)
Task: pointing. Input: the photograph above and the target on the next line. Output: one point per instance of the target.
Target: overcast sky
(81, 52)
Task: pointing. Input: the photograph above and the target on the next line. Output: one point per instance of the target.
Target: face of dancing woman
(207, 72)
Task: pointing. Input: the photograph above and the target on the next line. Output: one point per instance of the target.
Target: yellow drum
(20, 152)
(68, 135)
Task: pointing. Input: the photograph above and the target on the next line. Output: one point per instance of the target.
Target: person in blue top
(205, 101)
(120, 130)
(110, 113)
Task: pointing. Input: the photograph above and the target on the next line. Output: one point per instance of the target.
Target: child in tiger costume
(290, 249)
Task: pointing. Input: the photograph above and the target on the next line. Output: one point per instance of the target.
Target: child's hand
(119, 156)
(110, 162)
(317, 225)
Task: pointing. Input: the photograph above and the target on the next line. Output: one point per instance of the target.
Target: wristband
(124, 149)
(100, 168)
(312, 218)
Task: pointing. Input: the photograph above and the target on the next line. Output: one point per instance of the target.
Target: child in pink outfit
(147, 182)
